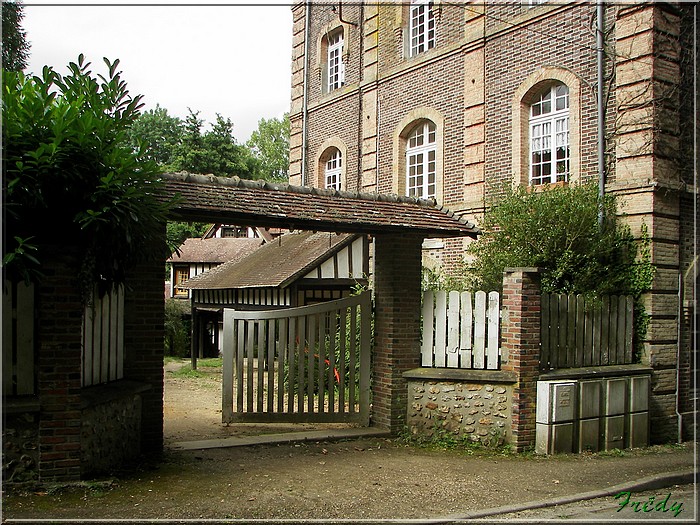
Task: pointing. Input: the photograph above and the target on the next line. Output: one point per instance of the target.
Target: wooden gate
(304, 364)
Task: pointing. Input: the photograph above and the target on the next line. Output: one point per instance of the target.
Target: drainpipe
(600, 26)
(304, 108)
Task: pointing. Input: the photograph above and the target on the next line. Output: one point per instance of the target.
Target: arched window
(549, 136)
(334, 62)
(421, 161)
(333, 170)
(421, 27)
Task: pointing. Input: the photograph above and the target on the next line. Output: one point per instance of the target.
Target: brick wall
(59, 315)
(144, 315)
(520, 343)
(397, 327)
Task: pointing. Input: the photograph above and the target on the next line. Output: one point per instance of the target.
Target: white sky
(231, 58)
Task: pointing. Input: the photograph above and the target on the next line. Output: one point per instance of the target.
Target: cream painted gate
(304, 364)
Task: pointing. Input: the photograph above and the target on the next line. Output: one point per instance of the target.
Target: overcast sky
(229, 58)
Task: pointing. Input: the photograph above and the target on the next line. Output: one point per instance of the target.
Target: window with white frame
(421, 26)
(549, 136)
(334, 168)
(336, 68)
(421, 161)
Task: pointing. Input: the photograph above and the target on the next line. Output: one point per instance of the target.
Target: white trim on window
(550, 153)
(336, 68)
(334, 169)
(421, 161)
(421, 25)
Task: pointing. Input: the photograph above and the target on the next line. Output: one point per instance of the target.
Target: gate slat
(605, 331)
(240, 363)
(571, 330)
(580, 331)
(310, 359)
(250, 357)
(365, 351)
(629, 328)
(494, 311)
(7, 323)
(300, 359)
(353, 357)
(621, 334)
(291, 368)
(282, 353)
(270, 364)
(562, 332)
(229, 346)
(427, 344)
(25, 339)
(479, 329)
(333, 329)
(440, 327)
(342, 356)
(465, 338)
(105, 351)
(613, 333)
(453, 330)
(321, 364)
(545, 321)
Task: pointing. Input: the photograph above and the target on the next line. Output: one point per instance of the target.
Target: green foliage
(177, 327)
(558, 229)
(269, 145)
(177, 232)
(214, 151)
(158, 134)
(442, 439)
(70, 179)
(15, 48)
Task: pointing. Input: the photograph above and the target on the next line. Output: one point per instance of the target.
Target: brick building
(455, 100)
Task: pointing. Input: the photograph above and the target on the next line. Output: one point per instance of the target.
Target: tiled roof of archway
(259, 203)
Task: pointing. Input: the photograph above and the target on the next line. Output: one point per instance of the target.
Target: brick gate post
(520, 334)
(397, 286)
(59, 321)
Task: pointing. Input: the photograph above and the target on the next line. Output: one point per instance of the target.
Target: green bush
(177, 328)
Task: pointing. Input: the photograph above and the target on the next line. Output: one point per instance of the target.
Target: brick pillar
(397, 287)
(520, 335)
(59, 323)
(144, 336)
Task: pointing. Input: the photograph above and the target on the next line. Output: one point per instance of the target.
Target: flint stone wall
(473, 407)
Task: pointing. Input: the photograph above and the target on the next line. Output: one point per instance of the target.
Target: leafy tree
(15, 48)
(158, 134)
(70, 178)
(558, 230)
(214, 151)
(177, 232)
(269, 145)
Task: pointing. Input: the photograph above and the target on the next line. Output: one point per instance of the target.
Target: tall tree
(269, 145)
(158, 133)
(15, 48)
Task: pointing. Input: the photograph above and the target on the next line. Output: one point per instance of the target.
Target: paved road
(680, 502)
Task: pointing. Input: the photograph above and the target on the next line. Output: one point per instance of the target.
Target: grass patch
(186, 371)
(210, 362)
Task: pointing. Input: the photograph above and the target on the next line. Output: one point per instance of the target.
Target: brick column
(144, 336)
(397, 287)
(520, 345)
(59, 323)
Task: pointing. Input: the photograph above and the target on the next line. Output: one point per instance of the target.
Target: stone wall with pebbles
(478, 411)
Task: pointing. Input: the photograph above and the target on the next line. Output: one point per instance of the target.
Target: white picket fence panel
(103, 339)
(461, 330)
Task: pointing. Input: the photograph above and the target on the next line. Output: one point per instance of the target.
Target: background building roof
(275, 264)
(215, 249)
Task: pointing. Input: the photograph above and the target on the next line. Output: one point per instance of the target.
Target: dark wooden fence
(578, 332)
